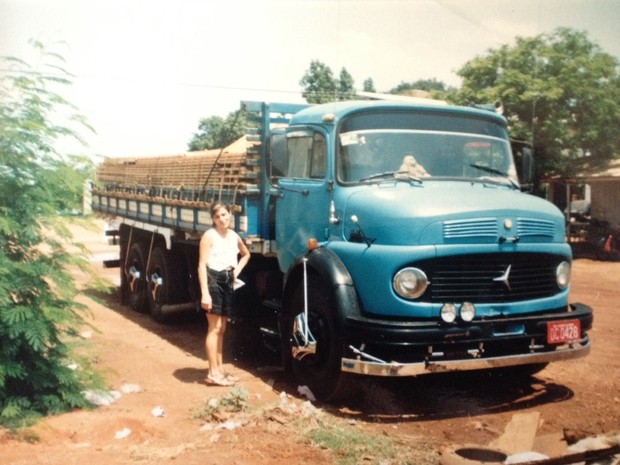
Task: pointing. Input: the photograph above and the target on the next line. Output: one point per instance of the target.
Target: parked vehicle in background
(608, 244)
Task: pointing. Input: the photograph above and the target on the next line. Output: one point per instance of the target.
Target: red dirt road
(168, 363)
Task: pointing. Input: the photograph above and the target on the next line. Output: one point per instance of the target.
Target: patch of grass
(28, 436)
(352, 446)
(347, 443)
(234, 401)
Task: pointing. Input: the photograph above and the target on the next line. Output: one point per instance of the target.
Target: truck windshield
(423, 146)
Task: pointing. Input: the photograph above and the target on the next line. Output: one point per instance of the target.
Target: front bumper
(397, 348)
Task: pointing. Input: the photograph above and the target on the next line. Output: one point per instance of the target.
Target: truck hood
(449, 212)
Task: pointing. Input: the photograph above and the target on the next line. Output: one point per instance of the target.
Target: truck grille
(490, 278)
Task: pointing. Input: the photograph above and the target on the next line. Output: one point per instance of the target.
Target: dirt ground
(168, 365)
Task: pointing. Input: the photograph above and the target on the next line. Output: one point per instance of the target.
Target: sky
(146, 71)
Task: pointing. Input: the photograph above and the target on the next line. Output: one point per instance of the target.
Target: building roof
(610, 172)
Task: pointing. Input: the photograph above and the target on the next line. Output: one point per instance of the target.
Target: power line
(464, 15)
(162, 82)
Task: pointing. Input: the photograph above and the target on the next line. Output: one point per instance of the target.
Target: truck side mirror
(524, 161)
(527, 169)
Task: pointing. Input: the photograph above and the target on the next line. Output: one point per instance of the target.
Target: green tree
(369, 85)
(345, 85)
(320, 86)
(427, 85)
(38, 314)
(216, 132)
(558, 90)
(318, 83)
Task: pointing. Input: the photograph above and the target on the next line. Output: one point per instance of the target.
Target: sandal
(219, 381)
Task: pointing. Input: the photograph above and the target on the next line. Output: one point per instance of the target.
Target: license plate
(563, 331)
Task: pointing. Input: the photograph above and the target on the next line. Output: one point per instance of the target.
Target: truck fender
(327, 265)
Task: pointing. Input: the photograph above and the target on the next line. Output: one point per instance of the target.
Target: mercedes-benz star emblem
(504, 278)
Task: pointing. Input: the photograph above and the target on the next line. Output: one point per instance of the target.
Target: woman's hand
(206, 303)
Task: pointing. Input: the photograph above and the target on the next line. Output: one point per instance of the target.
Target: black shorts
(221, 291)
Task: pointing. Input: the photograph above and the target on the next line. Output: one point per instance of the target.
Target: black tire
(160, 288)
(133, 281)
(319, 371)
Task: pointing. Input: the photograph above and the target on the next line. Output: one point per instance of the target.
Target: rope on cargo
(148, 259)
(234, 123)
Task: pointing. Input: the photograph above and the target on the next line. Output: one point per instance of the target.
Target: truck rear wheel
(159, 281)
(318, 369)
(134, 279)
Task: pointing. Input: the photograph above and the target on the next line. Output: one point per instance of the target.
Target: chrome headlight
(410, 283)
(562, 275)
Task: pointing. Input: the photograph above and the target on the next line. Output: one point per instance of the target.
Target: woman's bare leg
(213, 344)
(220, 344)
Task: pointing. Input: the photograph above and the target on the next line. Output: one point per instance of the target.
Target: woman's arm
(244, 256)
(203, 254)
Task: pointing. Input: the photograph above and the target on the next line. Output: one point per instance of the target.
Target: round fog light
(468, 311)
(448, 313)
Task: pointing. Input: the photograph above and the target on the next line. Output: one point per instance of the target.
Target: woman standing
(222, 257)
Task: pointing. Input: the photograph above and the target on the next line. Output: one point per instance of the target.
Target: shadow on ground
(429, 397)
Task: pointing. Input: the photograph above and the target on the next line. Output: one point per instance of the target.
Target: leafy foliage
(320, 86)
(37, 308)
(432, 86)
(217, 132)
(559, 90)
(318, 83)
(345, 85)
(369, 85)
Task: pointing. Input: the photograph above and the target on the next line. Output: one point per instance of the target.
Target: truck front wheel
(317, 364)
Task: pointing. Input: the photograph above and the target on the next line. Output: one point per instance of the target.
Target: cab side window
(307, 155)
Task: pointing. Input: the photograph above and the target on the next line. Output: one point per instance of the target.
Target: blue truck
(388, 239)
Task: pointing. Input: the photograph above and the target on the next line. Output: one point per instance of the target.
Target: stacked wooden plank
(185, 176)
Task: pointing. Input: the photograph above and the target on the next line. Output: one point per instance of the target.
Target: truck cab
(408, 247)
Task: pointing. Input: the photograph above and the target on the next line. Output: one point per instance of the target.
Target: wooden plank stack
(188, 176)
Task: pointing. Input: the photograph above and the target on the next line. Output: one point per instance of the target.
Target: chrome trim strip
(366, 367)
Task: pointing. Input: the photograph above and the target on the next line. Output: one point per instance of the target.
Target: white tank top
(224, 250)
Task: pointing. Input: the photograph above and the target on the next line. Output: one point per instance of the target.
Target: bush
(38, 314)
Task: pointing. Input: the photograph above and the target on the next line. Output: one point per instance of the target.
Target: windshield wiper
(495, 171)
(398, 175)
(487, 169)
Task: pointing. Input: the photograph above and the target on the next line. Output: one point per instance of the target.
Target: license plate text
(563, 331)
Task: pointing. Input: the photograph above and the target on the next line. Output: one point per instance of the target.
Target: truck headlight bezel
(410, 283)
(562, 275)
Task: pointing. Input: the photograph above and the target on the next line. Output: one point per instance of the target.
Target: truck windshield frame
(423, 145)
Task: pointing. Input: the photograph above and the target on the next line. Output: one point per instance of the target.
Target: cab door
(302, 207)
